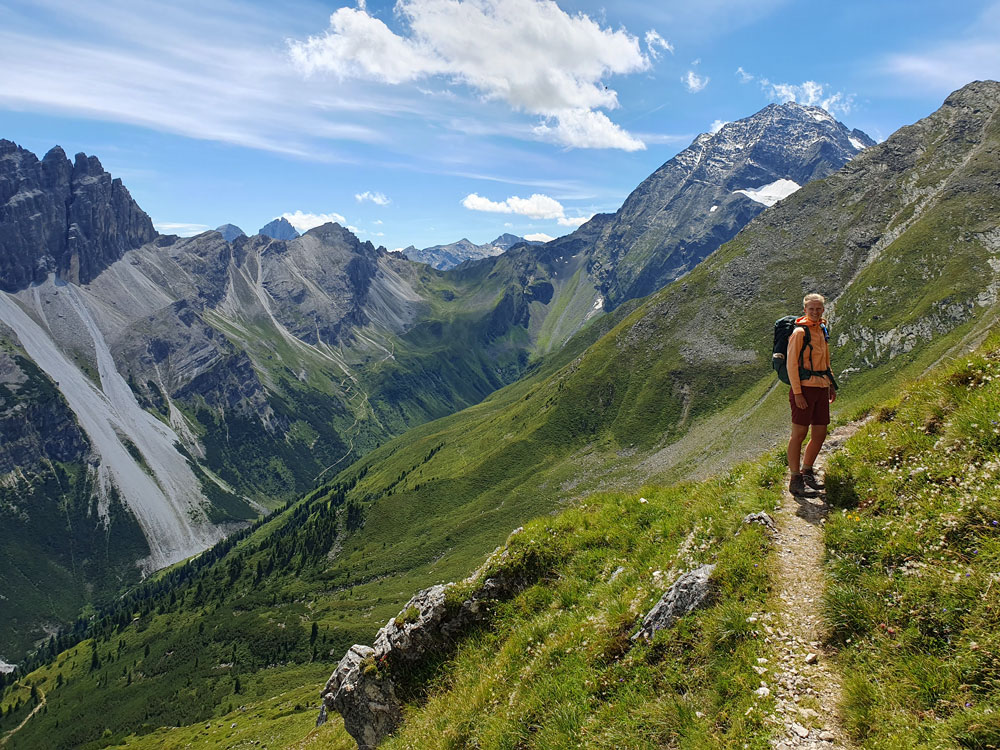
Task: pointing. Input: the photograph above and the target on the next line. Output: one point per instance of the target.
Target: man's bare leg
(795, 446)
(815, 443)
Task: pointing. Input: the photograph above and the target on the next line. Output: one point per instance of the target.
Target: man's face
(814, 310)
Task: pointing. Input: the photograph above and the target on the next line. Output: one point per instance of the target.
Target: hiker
(813, 389)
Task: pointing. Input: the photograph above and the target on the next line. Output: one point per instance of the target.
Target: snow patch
(713, 209)
(772, 192)
(7, 668)
(857, 144)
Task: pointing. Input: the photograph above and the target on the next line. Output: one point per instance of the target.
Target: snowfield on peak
(772, 192)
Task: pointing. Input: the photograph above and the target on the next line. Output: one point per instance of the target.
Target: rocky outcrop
(689, 592)
(62, 217)
(364, 687)
(364, 696)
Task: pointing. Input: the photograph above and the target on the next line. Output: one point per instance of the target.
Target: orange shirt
(816, 356)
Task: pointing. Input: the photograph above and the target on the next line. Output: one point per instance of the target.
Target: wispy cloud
(378, 199)
(303, 222)
(694, 82)
(743, 76)
(811, 94)
(655, 43)
(952, 63)
(717, 125)
(207, 72)
(536, 206)
(528, 53)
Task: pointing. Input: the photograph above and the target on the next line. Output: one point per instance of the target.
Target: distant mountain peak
(279, 229)
(230, 232)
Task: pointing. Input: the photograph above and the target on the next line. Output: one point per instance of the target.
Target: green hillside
(679, 384)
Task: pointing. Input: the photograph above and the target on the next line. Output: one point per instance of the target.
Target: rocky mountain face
(67, 218)
(703, 196)
(230, 232)
(279, 229)
(443, 257)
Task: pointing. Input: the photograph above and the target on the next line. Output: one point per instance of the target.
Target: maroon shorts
(817, 409)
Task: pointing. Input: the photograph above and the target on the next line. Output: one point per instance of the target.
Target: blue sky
(424, 121)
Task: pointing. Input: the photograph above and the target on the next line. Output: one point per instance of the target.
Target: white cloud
(574, 221)
(377, 198)
(585, 128)
(537, 206)
(655, 42)
(694, 82)
(539, 237)
(528, 53)
(811, 94)
(717, 125)
(180, 228)
(303, 222)
(743, 75)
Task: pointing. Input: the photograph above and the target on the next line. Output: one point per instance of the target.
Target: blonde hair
(813, 298)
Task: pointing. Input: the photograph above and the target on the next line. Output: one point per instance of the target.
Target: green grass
(556, 667)
(914, 561)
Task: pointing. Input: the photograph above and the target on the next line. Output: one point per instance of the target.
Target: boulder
(688, 593)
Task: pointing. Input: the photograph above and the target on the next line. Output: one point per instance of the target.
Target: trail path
(806, 686)
(19, 727)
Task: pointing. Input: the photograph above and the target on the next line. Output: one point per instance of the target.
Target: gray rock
(688, 593)
(365, 697)
(230, 232)
(761, 519)
(57, 216)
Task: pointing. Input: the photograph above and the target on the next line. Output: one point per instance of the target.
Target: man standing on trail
(813, 390)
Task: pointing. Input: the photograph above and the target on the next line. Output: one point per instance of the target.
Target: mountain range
(180, 387)
(443, 257)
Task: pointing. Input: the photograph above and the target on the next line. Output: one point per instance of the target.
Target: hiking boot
(798, 488)
(810, 480)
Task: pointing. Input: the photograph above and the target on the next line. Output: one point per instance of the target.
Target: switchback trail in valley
(19, 727)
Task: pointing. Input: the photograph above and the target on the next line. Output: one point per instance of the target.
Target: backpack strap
(804, 372)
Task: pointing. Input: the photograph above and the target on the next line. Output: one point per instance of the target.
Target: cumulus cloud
(743, 75)
(537, 206)
(655, 42)
(717, 125)
(539, 237)
(378, 199)
(528, 53)
(810, 93)
(303, 222)
(694, 82)
(585, 128)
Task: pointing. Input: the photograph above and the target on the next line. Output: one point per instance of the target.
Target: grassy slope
(914, 561)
